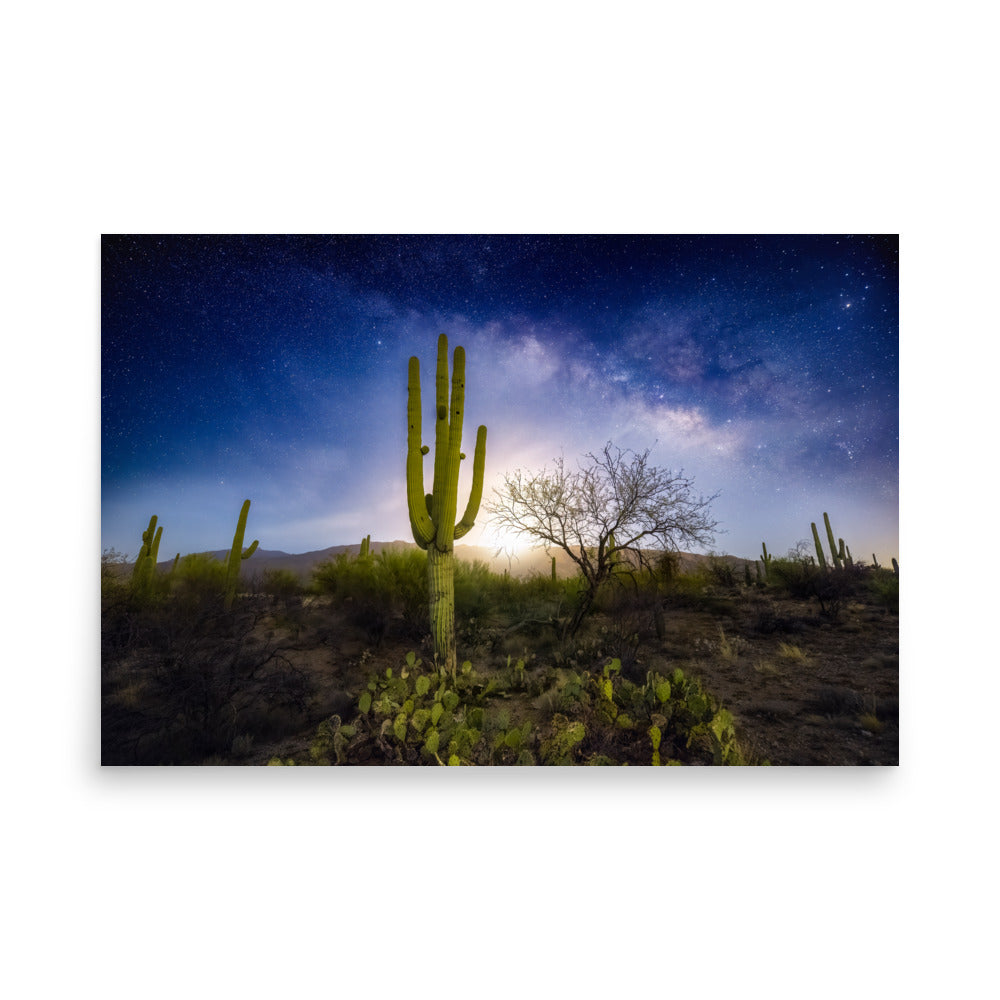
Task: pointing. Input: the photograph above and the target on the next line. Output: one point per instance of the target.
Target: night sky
(274, 368)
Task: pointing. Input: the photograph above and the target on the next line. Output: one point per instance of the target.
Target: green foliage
(560, 747)
(421, 714)
(798, 578)
(379, 592)
(198, 579)
(281, 583)
(721, 571)
(884, 584)
(424, 715)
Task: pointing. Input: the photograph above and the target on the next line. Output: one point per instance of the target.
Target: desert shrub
(884, 586)
(803, 579)
(376, 591)
(198, 579)
(833, 700)
(195, 680)
(796, 577)
(475, 587)
(720, 571)
(666, 567)
(281, 583)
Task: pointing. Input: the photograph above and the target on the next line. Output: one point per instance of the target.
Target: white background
(523, 117)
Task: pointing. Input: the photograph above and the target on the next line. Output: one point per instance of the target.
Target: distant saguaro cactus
(237, 554)
(819, 547)
(145, 562)
(765, 558)
(837, 561)
(432, 515)
(366, 547)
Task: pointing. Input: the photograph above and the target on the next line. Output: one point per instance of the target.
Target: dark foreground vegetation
(713, 665)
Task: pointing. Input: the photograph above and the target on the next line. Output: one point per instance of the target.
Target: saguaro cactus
(237, 554)
(366, 547)
(819, 547)
(432, 515)
(837, 561)
(145, 562)
(765, 558)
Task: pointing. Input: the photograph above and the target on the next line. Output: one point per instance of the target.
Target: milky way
(274, 368)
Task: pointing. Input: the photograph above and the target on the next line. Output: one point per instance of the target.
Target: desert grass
(792, 653)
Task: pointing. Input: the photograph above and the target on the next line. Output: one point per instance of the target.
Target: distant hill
(529, 563)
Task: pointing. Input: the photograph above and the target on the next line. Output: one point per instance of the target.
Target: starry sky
(274, 368)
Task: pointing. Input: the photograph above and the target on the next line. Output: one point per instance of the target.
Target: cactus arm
(441, 434)
(476, 495)
(446, 507)
(417, 501)
(144, 551)
(154, 550)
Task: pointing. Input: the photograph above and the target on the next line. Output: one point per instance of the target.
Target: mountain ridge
(526, 563)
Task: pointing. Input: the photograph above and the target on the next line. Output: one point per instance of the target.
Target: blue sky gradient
(274, 368)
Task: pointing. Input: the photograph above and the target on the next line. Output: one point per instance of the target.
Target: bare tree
(614, 508)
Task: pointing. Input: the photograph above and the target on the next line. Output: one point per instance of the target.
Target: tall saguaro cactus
(237, 554)
(819, 547)
(432, 515)
(838, 562)
(145, 563)
(765, 558)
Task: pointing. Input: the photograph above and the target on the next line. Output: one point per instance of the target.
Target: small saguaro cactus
(765, 558)
(145, 563)
(613, 553)
(819, 548)
(553, 569)
(875, 562)
(366, 547)
(895, 566)
(237, 554)
(432, 515)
